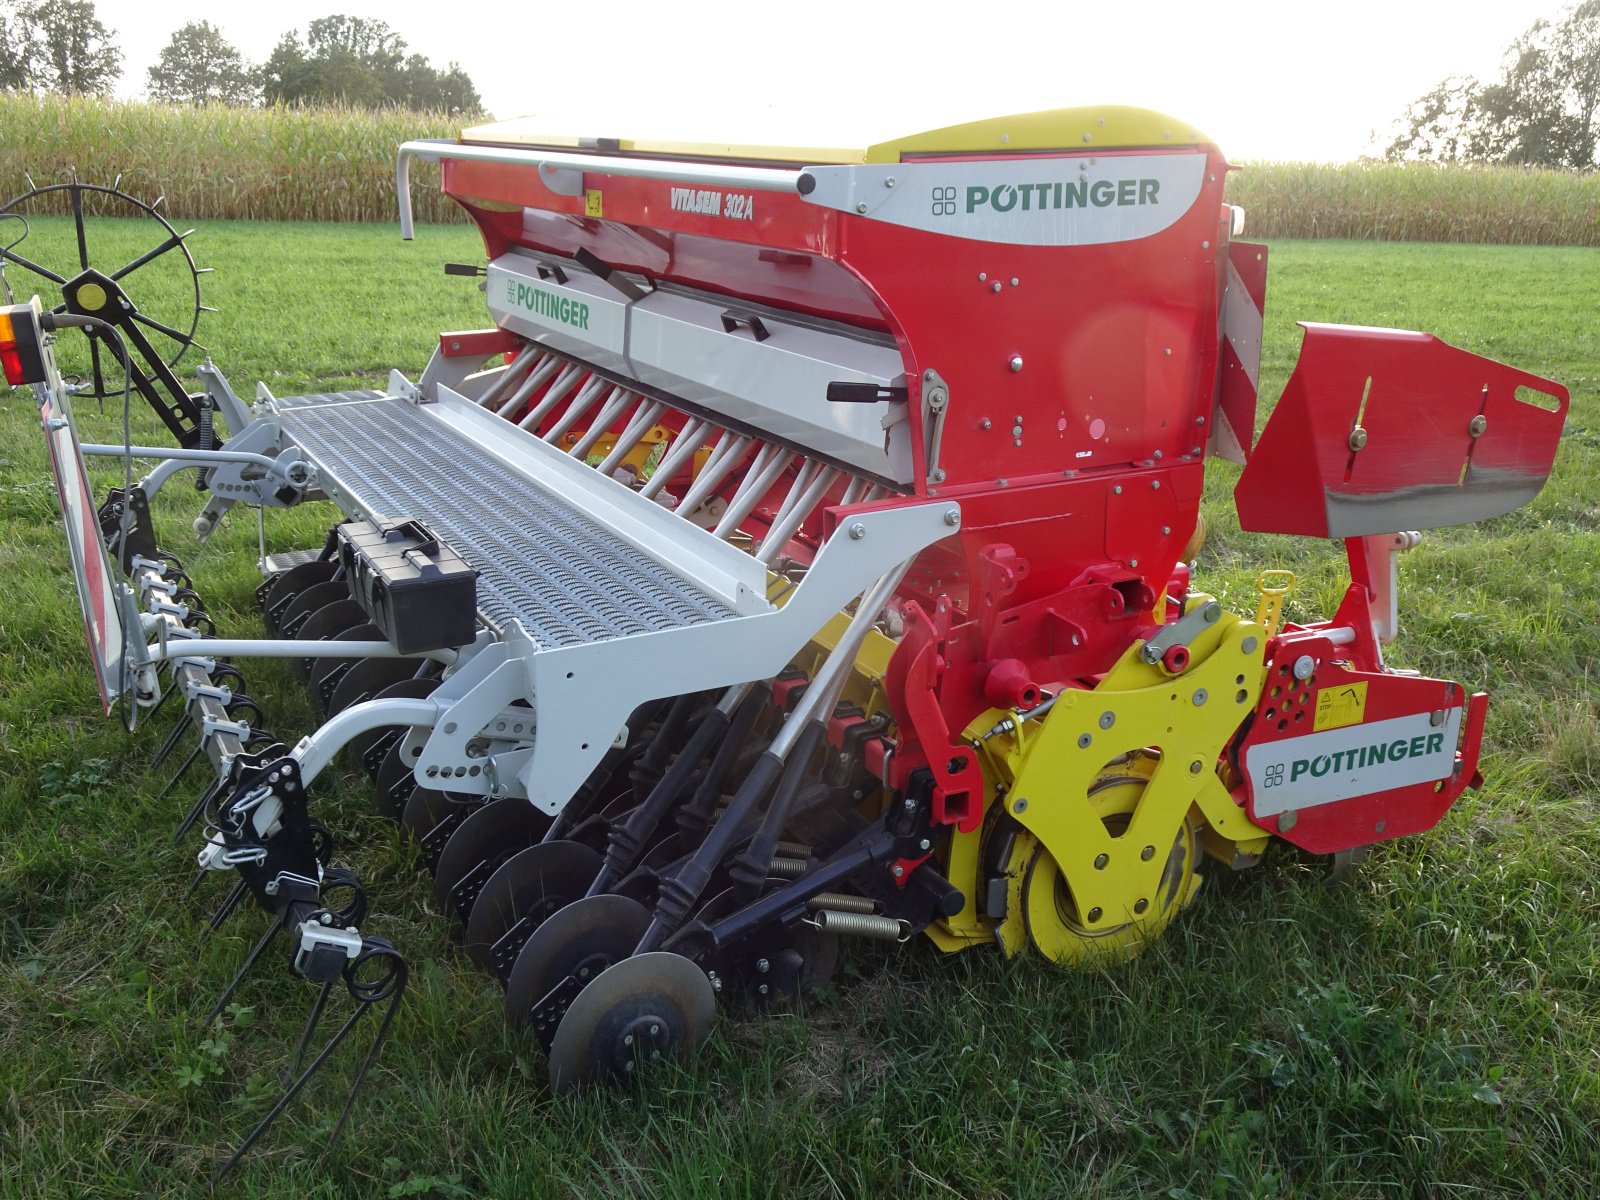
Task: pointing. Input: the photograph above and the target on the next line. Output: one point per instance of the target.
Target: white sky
(1267, 79)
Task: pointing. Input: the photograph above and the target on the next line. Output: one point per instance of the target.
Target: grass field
(1431, 1030)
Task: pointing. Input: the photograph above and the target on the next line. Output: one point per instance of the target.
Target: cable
(15, 242)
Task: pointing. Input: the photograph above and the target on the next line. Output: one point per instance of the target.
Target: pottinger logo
(1049, 195)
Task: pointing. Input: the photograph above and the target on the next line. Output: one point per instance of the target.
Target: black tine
(171, 744)
(193, 815)
(363, 1004)
(225, 909)
(183, 770)
(260, 948)
(306, 1034)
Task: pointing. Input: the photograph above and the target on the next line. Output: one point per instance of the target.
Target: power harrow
(801, 554)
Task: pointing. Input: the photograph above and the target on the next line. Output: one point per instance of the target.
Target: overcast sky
(1267, 79)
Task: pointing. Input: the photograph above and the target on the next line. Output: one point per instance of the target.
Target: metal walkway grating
(564, 576)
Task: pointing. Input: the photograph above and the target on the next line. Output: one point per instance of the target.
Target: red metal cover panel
(1381, 430)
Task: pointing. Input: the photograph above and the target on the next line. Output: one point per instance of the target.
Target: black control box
(414, 587)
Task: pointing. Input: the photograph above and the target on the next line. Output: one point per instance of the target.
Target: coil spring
(864, 925)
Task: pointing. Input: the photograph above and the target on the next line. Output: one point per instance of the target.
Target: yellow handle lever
(1274, 586)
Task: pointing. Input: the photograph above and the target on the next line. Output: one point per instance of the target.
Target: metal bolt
(1100, 861)
(326, 918)
(1016, 431)
(762, 967)
(936, 475)
(862, 207)
(1436, 717)
(952, 517)
(1248, 645)
(986, 424)
(1019, 807)
(1147, 853)
(654, 1030)
(1016, 359)
(1084, 741)
(1107, 720)
(1358, 439)
(1206, 245)
(888, 181)
(627, 1039)
(1165, 530)
(1140, 905)
(455, 345)
(925, 844)
(1303, 666)
(898, 871)
(1133, 562)
(1477, 425)
(857, 531)
(655, 1056)
(996, 286)
(763, 989)
(983, 277)
(1155, 484)
(910, 805)
(1117, 491)
(1015, 282)
(1196, 767)
(1200, 697)
(1094, 915)
(628, 1066)
(1380, 827)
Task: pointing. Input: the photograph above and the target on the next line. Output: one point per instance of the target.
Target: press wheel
(643, 1010)
(485, 840)
(523, 892)
(571, 948)
(1046, 901)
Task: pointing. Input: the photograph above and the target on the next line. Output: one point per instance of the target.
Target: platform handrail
(760, 179)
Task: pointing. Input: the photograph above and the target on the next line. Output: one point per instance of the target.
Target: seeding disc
(643, 1010)
(567, 951)
(531, 884)
(431, 817)
(290, 584)
(485, 840)
(393, 784)
(322, 625)
(319, 670)
(307, 602)
(409, 688)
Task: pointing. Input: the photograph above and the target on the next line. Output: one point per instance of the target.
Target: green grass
(1431, 1030)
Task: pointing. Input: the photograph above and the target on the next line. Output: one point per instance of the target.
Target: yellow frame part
(1187, 719)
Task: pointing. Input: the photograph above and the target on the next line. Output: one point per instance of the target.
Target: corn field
(338, 165)
(219, 163)
(1417, 202)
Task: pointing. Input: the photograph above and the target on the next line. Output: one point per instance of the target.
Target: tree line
(1543, 110)
(63, 46)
